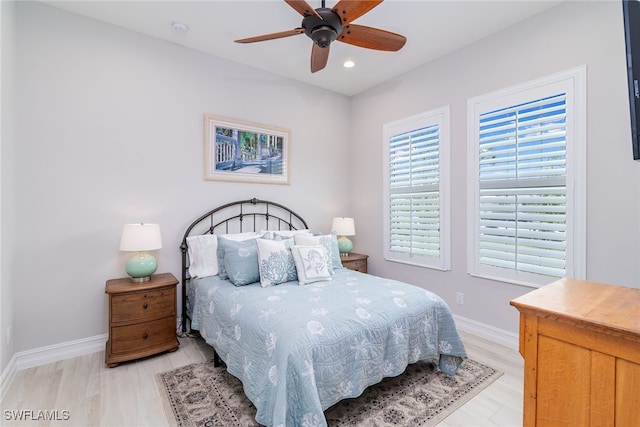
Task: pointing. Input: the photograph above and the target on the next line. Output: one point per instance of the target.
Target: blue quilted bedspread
(300, 349)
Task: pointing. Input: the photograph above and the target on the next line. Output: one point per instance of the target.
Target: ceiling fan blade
(302, 7)
(319, 57)
(372, 38)
(272, 36)
(350, 10)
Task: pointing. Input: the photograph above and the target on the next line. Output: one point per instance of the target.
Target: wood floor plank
(128, 395)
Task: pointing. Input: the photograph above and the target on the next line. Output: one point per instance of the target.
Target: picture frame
(241, 151)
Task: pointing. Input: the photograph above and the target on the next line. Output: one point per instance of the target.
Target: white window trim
(575, 179)
(442, 117)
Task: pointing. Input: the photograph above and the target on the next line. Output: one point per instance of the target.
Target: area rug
(201, 395)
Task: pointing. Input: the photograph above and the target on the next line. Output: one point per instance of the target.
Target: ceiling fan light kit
(324, 26)
(322, 30)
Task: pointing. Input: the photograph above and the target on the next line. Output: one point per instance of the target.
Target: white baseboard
(487, 332)
(54, 353)
(7, 376)
(49, 354)
(62, 351)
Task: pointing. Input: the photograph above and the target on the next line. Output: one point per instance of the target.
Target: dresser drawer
(141, 306)
(143, 335)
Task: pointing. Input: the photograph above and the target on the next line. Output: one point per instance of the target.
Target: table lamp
(141, 238)
(344, 227)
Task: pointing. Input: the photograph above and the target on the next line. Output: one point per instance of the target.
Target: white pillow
(203, 259)
(202, 249)
(239, 237)
(275, 262)
(290, 233)
(282, 234)
(312, 263)
(329, 241)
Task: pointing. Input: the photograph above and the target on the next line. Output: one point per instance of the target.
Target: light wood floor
(128, 395)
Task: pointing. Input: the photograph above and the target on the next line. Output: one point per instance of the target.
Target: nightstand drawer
(143, 335)
(360, 265)
(143, 305)
(354, 261)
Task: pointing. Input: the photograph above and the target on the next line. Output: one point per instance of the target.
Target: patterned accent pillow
(312, 263)
(241, 262)
(329, 241)
(233, 243)
(203, 260)
(275, 262)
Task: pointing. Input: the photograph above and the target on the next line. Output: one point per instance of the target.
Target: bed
(300, 331)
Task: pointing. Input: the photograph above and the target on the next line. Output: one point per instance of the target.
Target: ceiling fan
(325, 25)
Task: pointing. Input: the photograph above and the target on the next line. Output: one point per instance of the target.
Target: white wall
(570, 35)
(7, 184)
(110, 130)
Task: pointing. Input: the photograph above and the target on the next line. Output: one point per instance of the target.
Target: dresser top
(606, 306)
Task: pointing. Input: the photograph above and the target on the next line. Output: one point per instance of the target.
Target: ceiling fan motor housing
(322, 31)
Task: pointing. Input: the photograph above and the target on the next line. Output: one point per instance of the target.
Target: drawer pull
(145, 306)
(145, 336)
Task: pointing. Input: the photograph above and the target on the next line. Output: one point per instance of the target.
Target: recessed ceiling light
(349, 64)
(179, 26)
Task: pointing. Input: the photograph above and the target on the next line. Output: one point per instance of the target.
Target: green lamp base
(141, 266)
(344, 245)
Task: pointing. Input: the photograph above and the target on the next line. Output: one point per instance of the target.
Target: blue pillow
(238, 261)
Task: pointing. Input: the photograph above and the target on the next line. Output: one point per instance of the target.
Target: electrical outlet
(460, 298)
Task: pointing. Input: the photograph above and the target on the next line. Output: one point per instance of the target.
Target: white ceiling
(432, 28)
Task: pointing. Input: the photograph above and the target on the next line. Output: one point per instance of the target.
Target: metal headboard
(236, 217)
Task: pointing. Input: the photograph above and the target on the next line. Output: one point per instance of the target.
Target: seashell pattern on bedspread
(300, 349)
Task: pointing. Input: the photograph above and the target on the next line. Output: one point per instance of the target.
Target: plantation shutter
(414, 192)
(522, 187)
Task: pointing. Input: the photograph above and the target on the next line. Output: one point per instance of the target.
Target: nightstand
(354, 261)
(142, 318)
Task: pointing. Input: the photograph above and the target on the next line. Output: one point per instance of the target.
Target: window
(416, 190)
(527, 154)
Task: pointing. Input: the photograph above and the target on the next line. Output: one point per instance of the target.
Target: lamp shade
(140, 237)
(344, 226)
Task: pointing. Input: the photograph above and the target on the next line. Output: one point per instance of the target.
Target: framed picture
(242, 151)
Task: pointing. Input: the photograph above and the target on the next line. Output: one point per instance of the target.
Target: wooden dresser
(142, 318)
(581, 346)
(354, 261)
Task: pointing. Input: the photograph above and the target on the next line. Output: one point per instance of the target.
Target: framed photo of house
(241, 151)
